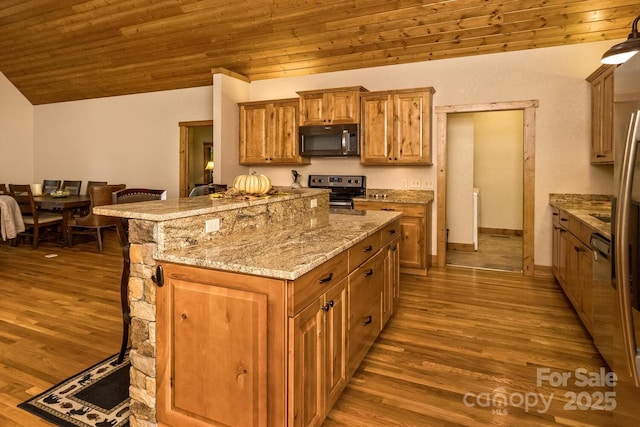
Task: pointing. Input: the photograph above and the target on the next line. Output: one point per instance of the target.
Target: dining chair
(4, 189)
(73, 187)
(199, 190)
(50, 185)
(93, 184)
(129, 195)
(34, 219)
(92, 224)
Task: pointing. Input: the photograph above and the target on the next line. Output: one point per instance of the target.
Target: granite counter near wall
(586, 208)
(398, 196)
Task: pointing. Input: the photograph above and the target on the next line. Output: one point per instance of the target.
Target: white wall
(16, 135)
(130, 139)
(460, 149)
(498, 172)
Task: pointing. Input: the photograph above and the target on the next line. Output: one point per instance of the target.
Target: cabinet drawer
(365, 285)
(313, 284)
(363, 250)
(389, 232)
(364, 329)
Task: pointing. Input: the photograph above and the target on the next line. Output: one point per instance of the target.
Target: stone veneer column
(142, 301)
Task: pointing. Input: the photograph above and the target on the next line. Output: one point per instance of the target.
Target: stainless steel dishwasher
(604, 297)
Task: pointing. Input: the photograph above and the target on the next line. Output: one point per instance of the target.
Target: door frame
(183, 167)
(529, 129)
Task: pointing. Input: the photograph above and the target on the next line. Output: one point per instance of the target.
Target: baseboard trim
(465, 247)
(500, 231)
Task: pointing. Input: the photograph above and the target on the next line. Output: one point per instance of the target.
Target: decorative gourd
(252, 184)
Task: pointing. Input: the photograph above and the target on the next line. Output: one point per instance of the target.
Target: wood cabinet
(391, 289)
(269, 133)
(242, 350)
(415, 232)
(396, 127)
(330, 106)
(221, 341)
(602, 145)
(573, 263)
(318, 357)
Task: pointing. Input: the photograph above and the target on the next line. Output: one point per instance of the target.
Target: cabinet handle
(368, 249)
(600, 155)
(392, 231)
(158, 278)
(326, 279)
(564, 219)
(394, 247)
(388, 209)
(368, 320)
(326, 307)
(368, 272)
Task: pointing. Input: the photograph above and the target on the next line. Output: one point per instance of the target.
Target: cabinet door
(412, 128)
(413, 244)
(602, 147)
(376, 132)
(606, 141)
(220, 344)
(284, 133)
(335, 342)
(343, 106)
(391, 290)
(585, 286)
(312, 107)
(306, 358)
(254, 125)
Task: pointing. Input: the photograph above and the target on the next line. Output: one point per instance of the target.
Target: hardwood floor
(496, 251)
(456, 333)
(480, 334)
(58, 316)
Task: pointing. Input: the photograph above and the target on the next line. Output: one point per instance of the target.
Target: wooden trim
(501, 231)
(466, 247)
(230, 73)
(529, 126)
(183, 166)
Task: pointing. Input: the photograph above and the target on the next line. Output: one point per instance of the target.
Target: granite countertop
(398, 196)
(586, 208)
(163, 210)
(292, 249)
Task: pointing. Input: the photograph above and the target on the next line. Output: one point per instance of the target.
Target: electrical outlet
(427, 184)
(212, 225)
(314, 203)
(404, 184)
(414, 184)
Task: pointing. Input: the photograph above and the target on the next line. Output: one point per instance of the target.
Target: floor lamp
(209, 167)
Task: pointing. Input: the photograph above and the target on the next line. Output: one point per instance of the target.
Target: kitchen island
(263, 308)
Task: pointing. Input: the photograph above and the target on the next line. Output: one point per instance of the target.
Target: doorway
(484, 190)
(195, 152)
(528, 172)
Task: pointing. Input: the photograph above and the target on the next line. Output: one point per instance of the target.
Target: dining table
(66, 205)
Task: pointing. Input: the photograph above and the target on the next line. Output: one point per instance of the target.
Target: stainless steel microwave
(330, 140)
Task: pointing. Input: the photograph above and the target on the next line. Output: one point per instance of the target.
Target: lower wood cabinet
(573, 263)
(241, 350)
(415, 231)
(317, 357)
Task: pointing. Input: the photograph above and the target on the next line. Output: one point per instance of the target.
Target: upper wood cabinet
(396, 127)
(602, 147)
(330, 106)
(269, 132)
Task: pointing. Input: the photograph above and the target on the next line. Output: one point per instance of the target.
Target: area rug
(96, 397)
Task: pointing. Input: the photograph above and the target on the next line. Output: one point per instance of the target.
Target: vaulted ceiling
(61, 50)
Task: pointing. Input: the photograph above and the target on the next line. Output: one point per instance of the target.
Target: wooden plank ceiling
(60, 50)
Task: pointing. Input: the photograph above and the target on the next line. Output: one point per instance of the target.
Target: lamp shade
(209, 165)
(623, 51)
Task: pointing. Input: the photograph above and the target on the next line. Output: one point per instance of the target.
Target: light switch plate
(212, 225)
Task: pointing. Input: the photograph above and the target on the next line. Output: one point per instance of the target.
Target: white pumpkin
(252, 184)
